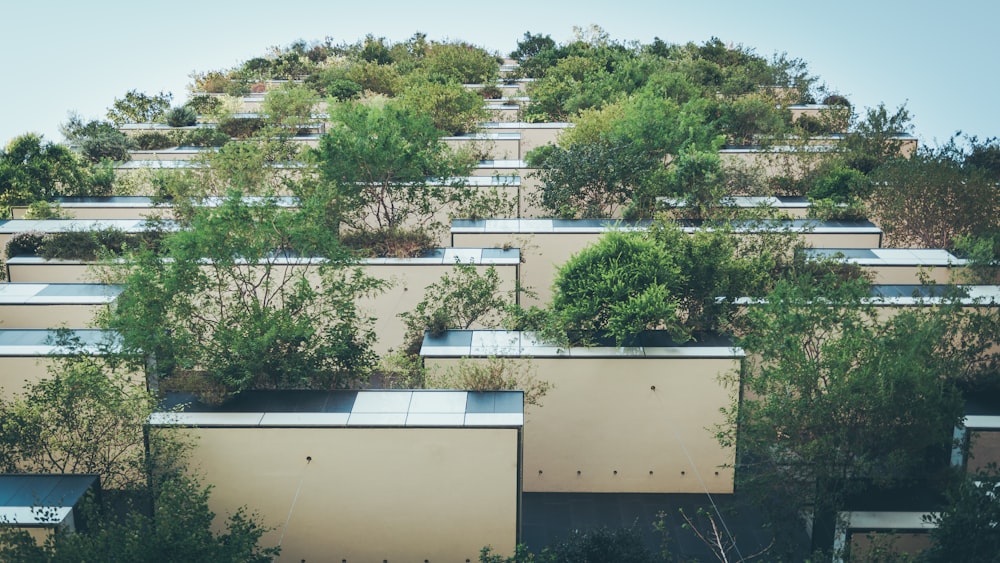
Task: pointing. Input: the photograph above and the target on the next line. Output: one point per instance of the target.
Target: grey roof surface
(888, 256)
(57, 293)
(377, 408)
(603, 225)
(39, 500)
(44, 342)
(510, 343)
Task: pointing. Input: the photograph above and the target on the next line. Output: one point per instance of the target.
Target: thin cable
(291, 508)
(704, 487)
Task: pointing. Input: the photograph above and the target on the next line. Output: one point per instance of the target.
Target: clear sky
(58, 56)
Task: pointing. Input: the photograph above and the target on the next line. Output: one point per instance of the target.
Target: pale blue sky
(61, 55)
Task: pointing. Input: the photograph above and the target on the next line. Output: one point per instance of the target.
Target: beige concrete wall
(488, 149)
(18, 371)
(603, 428)
(865, 545)
(408, 289)
(102, 212)
(51, 272)
(531, 137)
(48, 316)
(368, 494)
(896, 275)
(772, 164)
(984, 448)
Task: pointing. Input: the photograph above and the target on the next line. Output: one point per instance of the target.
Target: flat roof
(502, 164)
(484, 137)
(12, 226)
(58, 293)
(511, 343)
(377, 408)
(45, 342)
(795, 202)
(526, 125)
(888, 256)
(38, 500)
(436, 256)
(907, 294)
(605, 225)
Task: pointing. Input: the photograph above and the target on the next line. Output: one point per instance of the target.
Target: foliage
(840, 184)
(967, 529)
(532, 44)
(592, 179)
(875, 139)
(932, 198)
(98, 140)
(90, 245)
(386, 167)
(138, 107)
(205, 105)
(90, 417)
(452, 108)
(290, 107)
(240, 127)
(50, 426)
(623, 284)
(459, 300)
(599, 545)
(393, 243)
(154, 141)
(222, 303)
(181, 116)
(830, 210)
(836, 400)
(494, 374)
(460, 62)
(252, 166)
(25, 243)
(32, 169)
(203, 137)
(983, 255)
(752, 119)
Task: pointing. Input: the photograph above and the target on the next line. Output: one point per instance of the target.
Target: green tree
(875, 139)
(138, 107)
(931, 199)
(836, 400)
(452, 108)
(52, 426)
(460, 62)
(98, 140)
(387, 167)
(595, 179)
(620, 286)
(221, 310)
(290, 107)
(966, 530)
(32, 169)
(89, 417)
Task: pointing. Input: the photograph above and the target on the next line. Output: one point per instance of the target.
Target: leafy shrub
(26, 243)
(836, 100)
(183, 116)
(830, 210)
(213, 83)
(89, 245)
(154, 141)
(241, 127)
(204, 137)
(343, 89)
(840, 184)
(44, 210)
(491, 92)
(396, 243)
(203, 104)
